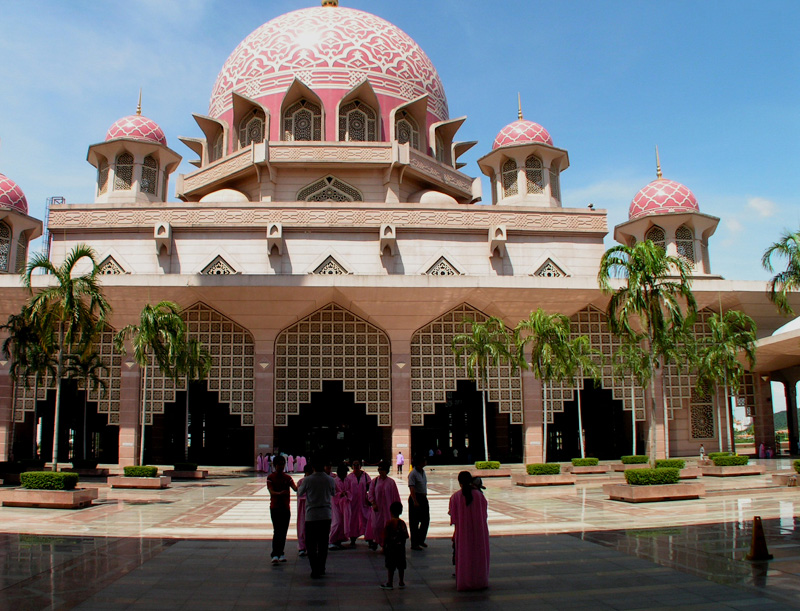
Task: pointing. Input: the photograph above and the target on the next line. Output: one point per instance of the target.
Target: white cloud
(733, 225)
(762, 206)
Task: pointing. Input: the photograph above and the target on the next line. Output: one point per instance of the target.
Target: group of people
(332, 510)
(265, 464)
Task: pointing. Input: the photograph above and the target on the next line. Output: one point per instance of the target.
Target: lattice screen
(333, 344)
(232, 360)
(435, 371)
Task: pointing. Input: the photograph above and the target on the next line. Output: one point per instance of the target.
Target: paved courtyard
(204, 545)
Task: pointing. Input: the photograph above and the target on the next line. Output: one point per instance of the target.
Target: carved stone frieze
(226, 167)
(320, 153)
(440, 173)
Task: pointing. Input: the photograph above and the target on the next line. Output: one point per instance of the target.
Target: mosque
(326, 250)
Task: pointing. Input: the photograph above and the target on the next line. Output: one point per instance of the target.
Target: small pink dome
(661, 197)
(138, 128)
(11, 196)
(522, 132)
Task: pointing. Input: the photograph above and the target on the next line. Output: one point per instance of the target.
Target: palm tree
(658, 288)
(158, 336)
(194, 363)
(586, 364)
(484, 344)
(731, 334)
(788, 247)
(71, 306)
(552, 358)
(630, 360)
(88, 367)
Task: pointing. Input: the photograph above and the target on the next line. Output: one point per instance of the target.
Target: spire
(519, 103)
(658, 165)
(139, 105)
(330, 2)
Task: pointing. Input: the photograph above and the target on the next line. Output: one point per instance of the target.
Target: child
(301, 514)
(279, 485)
(395, 534)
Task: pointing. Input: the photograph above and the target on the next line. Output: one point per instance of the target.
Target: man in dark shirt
(279, 484)
(319, 488)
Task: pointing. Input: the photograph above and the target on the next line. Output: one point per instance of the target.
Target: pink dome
(522, 132)
(332, 49)
(663, 196)
(138, 128)
(11, 196)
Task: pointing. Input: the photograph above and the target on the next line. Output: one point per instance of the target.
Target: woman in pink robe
(382, 493)
(290, 464)
(468, 513)
(357, 486)
(340, 505)
(300, 464)
(301, 516)
(260, 462)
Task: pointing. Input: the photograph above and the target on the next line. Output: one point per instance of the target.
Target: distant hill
(779, 418)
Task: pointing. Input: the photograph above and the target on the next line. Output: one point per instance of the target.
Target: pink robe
(384, 493)
(471, 540)
(301, 464)
(340, 505)
(301, 520)
(290, 463)
(359, 509)
(260, 463)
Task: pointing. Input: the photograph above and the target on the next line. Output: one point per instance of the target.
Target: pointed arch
(123, 172)
(657, 236)
(684, 241)
(534, 175)
(329, 189)
(149, 182)
(509, 178)
(5, 246)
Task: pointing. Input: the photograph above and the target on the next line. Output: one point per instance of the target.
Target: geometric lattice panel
(435, 370)
(232, 365)
(333, 344)
(701, 420)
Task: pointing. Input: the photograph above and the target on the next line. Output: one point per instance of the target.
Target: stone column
(763, 424)
(130, 407)
(662, 449)
(532, 418)
(401, 398)
(264, 402)
(6, 402)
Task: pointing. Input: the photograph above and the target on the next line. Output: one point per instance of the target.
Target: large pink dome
(661, 197)
(11, 196)
(522, 132)
(138, 128)
(329, 48)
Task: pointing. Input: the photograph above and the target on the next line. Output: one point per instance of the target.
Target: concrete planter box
(49, 499)
(690, 473)
(501, 472)
(734, 470)
(586, 470)
(87, 472)
(786, 479)
(150, 483)
(618, 466)
(172, 473)
(562, 479)
(650, 494)
(705, 463)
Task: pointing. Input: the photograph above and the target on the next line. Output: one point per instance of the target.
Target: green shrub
(185, 466)
(487, 464)
(143, 471)
(48, 480)
(550, 468)
(634, 459)
(796, 465)
(713, 455)
(730, 461)
(651, 477)
(670, 463)
(585, 462)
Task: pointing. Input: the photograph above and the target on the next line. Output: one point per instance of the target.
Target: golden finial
(519, 103)
(139, 105)
(330, 2)
(658, 165)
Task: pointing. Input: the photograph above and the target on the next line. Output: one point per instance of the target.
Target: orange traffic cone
(758, 547)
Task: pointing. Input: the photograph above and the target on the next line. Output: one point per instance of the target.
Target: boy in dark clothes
(395, 535)
(279, 484)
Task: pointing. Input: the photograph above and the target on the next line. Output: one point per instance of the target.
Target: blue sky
(714, 84)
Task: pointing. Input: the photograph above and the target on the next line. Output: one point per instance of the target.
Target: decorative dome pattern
(661, 197)
(11, 196)
(329, 48)
(138, 128)
(522, 132)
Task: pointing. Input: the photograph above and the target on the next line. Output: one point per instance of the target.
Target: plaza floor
(205, 545)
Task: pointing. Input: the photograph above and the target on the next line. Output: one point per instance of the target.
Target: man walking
(400, 462)
(419, 513)
(279, 484)
(318, 489)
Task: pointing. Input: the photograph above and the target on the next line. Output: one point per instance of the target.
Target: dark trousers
(317, 533)
(280, 517)
(419, 519)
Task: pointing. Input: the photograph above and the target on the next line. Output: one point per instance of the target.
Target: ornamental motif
(661, 197)
(138, 128)
(330, 267)
(5, 246)
(329, 189)
(22, 253)
(329, 47)
(684, 241)
(218, 267)
(442, 267)
(549, 269)
(11, 196)
(701, 417)
(109, 267)
(522, 132)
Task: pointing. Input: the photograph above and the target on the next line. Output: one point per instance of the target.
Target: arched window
(509, 177)
(357, 123)
(684, 240)
(22, 253)
(216, 148)
(657, 236)
(555, 184)
(149, 175)
(102, 177)
(123, 172)
(5, 246)
(534, 175)
(302, 122)
(406, 129)
(251, 128)
(329, 189)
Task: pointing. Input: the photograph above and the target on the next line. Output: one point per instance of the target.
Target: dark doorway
(606, 426)
(455, 430)
(216, 437)
(335, 424)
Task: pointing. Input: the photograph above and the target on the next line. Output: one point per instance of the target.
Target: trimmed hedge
(143, 471)
(713, 455)
(651, 477)
(796, 465)
(585, 462)
(490, 464)
(185, 466)
(670, 463)
(634, 459)
(48, 480)
(550, 468)
(731, 461)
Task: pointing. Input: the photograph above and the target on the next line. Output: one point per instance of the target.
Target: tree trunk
(186, 431)
(580, 422)
(485, 434)
(85, 403)
(719, 422)
(650, 410)
(144, 412)
(544, 421)
(728, 422)
(59, 374)
(633, 417)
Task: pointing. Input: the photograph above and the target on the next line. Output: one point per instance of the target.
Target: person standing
(341, 509)
(395, 534)
(400, 462)
(318, 489)
(279, 485)
(702, 452)
(469, 514)
(260, 462)
(290, 464)
(382, 493)
(419, 512)
(301, 515)
(357, 486)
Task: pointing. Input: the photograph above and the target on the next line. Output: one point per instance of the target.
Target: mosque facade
(326, 250)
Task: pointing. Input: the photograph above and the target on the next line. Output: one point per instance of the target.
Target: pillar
(763, 424)
(662, 425)
(401, 398)
(264, 401)
(532, 418)
(130, 407)
(6, 417)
